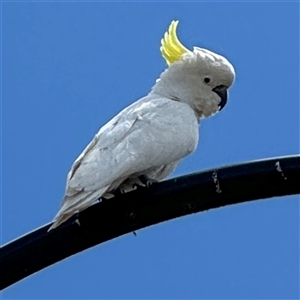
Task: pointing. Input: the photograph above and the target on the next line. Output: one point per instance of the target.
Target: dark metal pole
(145, 207)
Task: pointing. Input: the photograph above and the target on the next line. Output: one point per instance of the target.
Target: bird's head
(200, 78)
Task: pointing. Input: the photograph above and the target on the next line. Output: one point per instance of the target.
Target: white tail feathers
(74, 204)
(59, 221)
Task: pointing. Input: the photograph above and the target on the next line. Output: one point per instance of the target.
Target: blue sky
(67, 68)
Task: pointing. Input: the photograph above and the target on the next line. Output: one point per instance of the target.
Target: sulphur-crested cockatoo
(149, 138)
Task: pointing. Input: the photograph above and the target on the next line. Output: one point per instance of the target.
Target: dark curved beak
(221, 90)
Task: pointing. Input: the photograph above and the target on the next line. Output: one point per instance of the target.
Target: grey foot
(145, 180)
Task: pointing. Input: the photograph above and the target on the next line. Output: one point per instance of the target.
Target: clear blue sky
(67, 68)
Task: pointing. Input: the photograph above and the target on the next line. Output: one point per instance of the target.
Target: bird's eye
(206, 79)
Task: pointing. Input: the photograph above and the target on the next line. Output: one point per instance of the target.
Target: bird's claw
(146, 181)
(130, 185)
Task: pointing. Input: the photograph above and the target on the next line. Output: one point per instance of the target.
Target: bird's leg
(132, 184)
(146, 181)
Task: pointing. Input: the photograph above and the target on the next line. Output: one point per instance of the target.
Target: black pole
(148, 206)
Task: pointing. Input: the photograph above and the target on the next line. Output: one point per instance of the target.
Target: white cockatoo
(147, 139)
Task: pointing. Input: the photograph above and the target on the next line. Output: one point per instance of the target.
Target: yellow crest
(171, 48)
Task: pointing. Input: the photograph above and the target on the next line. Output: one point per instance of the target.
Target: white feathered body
(149, 137)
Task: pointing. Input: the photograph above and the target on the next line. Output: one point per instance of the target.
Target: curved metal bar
(144, 207)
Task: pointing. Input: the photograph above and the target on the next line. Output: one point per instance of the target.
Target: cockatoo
(148, 139)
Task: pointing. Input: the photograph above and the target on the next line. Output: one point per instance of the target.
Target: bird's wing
(90, 177)
(95, 167)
